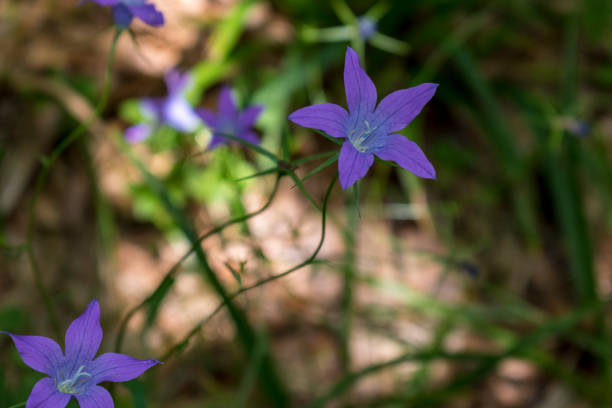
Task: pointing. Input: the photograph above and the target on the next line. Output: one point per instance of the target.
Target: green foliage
(514, 184)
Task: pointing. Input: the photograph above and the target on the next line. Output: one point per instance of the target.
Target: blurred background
(488, 287)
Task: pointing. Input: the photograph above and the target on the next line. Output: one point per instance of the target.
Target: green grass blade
(321, 166)
(269, 378)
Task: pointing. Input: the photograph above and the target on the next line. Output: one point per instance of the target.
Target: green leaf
(330, 34)
(378, 10)
(343, 11)
(156, 299)
(237, 274)
(312, 157)
(305, 192)
(260, 174)
(336, 140)
(138, 391)
(321, 166)
(389, 44)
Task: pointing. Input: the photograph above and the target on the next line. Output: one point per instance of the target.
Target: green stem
(270, 379)
(176, 267)
(488, 362)
(262, 282)
(44, 174)
(348, 275)
(22, 404)
(422, 356)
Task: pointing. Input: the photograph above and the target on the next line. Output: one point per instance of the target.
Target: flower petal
(151, 108)
(40, 353)
(118, 367)
(100, 2)
(45, 395)
(209, 117)
(84, 335)
(180, 115)
(138, 133)
(249, 136)
(95, 397)
(122, 15)
(225, 103)
(149, 14)
(216, 141)
(352, 164)
(327, 117)
(407, 154)
(359, 88)
(176, 81)
(399, 108)
(249, 115)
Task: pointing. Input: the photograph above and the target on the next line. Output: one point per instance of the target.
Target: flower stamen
(362, 137)
(71, 385)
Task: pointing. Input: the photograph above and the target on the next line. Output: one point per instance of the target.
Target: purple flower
(76, 373)
(174, 110)
(370, 128)
(577, 127)
(229, 120)
(124, 11)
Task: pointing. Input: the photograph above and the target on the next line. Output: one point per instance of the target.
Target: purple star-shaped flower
(124, 11)
(174, 110)
(76, 373)
(370, 128)
(230, 120)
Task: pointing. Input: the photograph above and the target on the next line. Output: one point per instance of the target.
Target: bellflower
(124, 12)
(230, 120)
(370, 129)
(76, 373)
(174, 110)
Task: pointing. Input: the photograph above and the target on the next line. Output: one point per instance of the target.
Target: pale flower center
(71, 385)
(359, 140)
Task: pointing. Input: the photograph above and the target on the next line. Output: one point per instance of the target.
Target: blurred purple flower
(124, 11)
(577, 127)
(174, 110)
(367, 26)
(76, 373)
(230, 120)
(370, 128)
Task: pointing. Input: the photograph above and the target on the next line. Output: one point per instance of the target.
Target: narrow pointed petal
(118, 367)
(407, 154)
(360, 90)
(84, 335)
(249, 116)
(399, 108)
(216, 141)
(180, 115)
(352, 165)
(138, 133)
(95, 397)
(122, 15)
(209, 117)
(45, 395)
(100, 2)
(176, 82)
(149, 14)
(327, 117)
(152, 108)
(250, 136)
(39, 353)
(226, 104)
